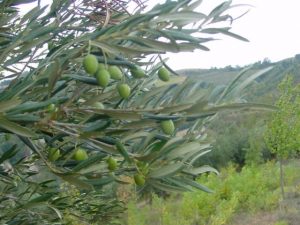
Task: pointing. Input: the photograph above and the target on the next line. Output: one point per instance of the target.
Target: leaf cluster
(50, 103)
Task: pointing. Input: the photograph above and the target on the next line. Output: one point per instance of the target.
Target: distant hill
(263, 89)
(214, 75)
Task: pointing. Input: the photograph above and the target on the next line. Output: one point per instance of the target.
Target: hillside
(263, 87)
(224, 75)
(238, 137)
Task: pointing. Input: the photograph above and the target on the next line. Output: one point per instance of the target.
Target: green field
(249, 196)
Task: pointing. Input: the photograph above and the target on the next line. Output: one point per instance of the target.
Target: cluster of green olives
(112, 165)
(104, 73)
(80, 154)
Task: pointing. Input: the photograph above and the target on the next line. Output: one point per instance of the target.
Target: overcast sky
(272, 26)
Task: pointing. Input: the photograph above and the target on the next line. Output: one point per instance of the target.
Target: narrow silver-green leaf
(8, 154)
(250, 79)
(196, 185)
(167, 170)
(167, 187)
(52, 73)
(200, 170)
(186, 149)
(186, 16)
(15, 128)
(7, 105)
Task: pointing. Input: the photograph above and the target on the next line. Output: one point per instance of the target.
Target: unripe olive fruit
(90, 64)
(102, 77)
(51, 108)
(167, 127)
(137, 72)
(98, 105)
(124, 90)
(54, 154)
(115, 72)
(164, 74)
(139, 179)
(111, 164)
(80, 154)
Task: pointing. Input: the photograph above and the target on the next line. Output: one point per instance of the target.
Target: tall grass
(253, 189)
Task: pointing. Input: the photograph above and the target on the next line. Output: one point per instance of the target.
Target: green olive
(137, 72)
(98, 105)
(167, 127)
(115, 72)
(102, 77)
(80, 154)
(52, 108)
(124, 90)
(139, 179)
(53, 154)
(164, 74)
(111, 164)
(90, 64)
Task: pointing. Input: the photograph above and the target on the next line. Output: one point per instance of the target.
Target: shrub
(253, 189)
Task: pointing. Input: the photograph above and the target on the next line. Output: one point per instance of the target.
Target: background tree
(83, 110)
(282, 133)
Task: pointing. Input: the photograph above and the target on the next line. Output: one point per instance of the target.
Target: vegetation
(89, 107)
(282, 133)
(63, 119)
(283, 129)
(239, 137)
(249, 191)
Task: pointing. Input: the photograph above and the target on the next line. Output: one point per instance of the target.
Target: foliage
(282, 222)
(257, 151)
(253, 189)
(51, 102)
(282, 134)
(238, 139)
(230, 145)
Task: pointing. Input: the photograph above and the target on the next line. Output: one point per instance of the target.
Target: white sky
(272, 27)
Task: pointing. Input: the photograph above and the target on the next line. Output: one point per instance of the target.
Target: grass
(252, 191)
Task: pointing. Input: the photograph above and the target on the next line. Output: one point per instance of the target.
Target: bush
(238, 139)
(253, 189)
